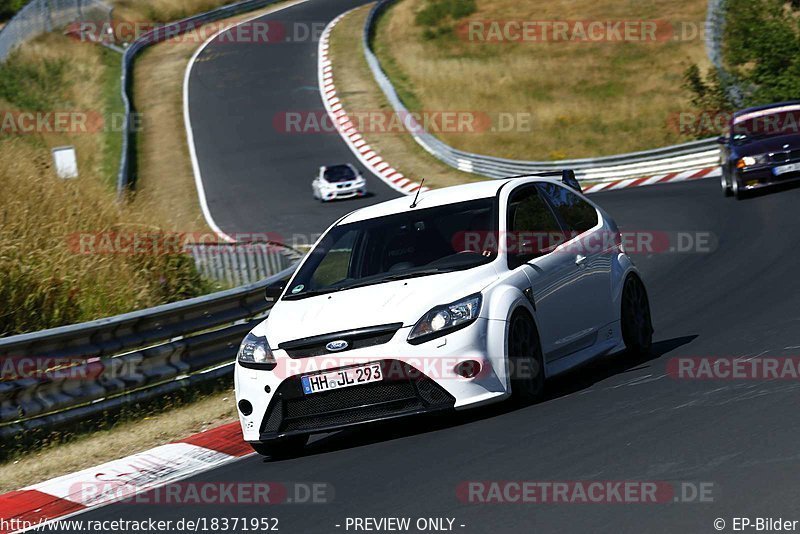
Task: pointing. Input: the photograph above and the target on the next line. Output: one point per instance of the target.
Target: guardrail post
(46, 15)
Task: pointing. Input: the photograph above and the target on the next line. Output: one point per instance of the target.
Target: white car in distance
(338, 181)
(463, 296)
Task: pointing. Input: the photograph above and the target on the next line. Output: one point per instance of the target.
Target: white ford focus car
(464, 296)
(338, 181)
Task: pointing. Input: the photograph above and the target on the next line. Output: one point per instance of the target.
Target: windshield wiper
(413, 274)
(390, 278)
(310, 293)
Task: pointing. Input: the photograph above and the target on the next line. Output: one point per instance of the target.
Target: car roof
(765, 107)
(439, 197)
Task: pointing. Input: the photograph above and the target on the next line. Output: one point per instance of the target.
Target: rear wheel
(637, 325)
(525, 357)
(281, 448)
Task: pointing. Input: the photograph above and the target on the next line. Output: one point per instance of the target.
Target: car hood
(769, 144)
(400, 301)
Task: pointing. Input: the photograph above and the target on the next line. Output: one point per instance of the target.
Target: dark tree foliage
(762, 57)
(9, 7)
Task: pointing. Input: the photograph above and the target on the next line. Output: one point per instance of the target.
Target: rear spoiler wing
(567, 177)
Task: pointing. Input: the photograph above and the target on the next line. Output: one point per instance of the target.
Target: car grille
(405, 392)
(344, 186)
(788, 156)
(356, 339)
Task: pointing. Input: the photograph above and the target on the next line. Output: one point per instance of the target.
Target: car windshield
(764, 125)
(339, 173)
(419, 242)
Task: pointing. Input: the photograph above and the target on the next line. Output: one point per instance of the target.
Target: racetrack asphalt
(616, 419)
(257, 168)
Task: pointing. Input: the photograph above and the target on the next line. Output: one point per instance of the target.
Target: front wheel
(737, 191)
(525, 358)
(726, 189)
(281, 448)
(637, 325)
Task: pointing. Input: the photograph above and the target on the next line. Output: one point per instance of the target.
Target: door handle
(580, 260)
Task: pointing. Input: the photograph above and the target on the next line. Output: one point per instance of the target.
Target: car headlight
(254, 353)
(442, 320)
(749, 161)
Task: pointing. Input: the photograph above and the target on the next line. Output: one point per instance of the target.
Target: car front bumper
(750, 179)
(417, 379)
(344, 192)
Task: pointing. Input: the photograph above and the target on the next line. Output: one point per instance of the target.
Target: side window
(577, 214)
(532, 228)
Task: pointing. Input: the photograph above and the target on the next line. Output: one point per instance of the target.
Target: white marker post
(66, 162)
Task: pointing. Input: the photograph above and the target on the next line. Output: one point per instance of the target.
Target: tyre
(737, 192)
(726, 189)
(637, 325)
(525, 358)
(281, 448)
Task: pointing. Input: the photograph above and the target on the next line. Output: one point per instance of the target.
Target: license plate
(783, 169)
(343, 378)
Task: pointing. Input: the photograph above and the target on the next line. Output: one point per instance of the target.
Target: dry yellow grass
(44, 281)
(586, 99)
(360, 94)
(165, 178)
(123, 440)
(162, 10)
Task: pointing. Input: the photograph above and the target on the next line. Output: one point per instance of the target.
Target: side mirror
(525, 252)
(722, 140)
(568, 179)
(275, 290)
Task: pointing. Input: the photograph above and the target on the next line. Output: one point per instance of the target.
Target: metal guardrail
(687, 156)
(241, 263)
(126, 177)
(94, 367)
(715, 33)
(41, 16)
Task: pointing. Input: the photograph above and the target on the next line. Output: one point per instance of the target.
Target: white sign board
(65, 161)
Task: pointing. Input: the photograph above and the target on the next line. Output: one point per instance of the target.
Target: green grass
(403, 84)
(8, 8)
(113, 111)
(34, 85)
